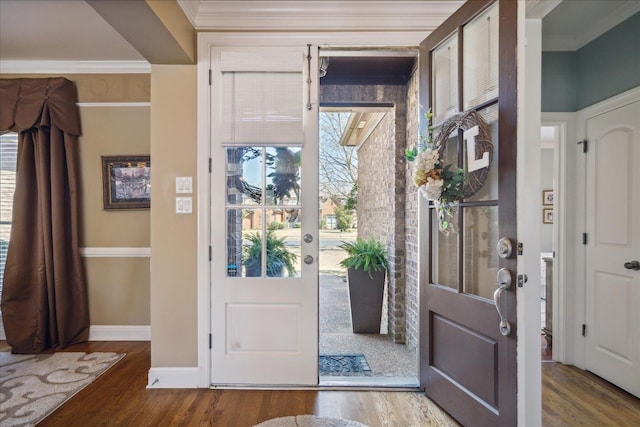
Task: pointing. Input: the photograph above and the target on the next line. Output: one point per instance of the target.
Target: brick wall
(381, 188)
(411, 218)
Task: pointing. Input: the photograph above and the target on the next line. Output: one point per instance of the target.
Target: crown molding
(538, 9)
(592, 31)
(75, 67)
(617, 16)
(317, 15)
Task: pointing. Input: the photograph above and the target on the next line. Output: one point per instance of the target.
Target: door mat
(343, 365)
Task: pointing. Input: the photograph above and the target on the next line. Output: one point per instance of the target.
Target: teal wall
(607, 66)
(559, 85)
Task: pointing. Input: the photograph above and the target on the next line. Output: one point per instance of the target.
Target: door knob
(632, 265)
(308, 259)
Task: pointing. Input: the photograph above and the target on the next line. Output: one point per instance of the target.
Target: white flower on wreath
(433, 188)
(428, 159)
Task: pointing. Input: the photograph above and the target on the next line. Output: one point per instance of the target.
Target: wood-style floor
(571, 397)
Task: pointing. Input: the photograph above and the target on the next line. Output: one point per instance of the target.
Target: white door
(264, 216)
(613, 241)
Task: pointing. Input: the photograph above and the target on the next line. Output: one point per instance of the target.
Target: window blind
(261, 97)
(480, 58)
(445, 71)
(8, 158)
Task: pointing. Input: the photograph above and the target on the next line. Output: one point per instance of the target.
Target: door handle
(308, 259)
(503, 282)
(632, 265)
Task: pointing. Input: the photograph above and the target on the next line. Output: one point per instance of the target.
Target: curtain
(44, 299)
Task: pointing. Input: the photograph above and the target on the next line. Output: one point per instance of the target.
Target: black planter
(365, 295)
(252, 269)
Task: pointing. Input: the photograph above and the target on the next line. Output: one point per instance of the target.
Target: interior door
(613, 247)
(468, 357)
(264, 216)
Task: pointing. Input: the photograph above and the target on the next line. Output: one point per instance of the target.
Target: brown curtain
(44, 296)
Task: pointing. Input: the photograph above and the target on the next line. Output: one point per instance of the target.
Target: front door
(468, 351)
(264, 216)
(613, 247)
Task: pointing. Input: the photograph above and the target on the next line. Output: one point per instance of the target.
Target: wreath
(445, 184)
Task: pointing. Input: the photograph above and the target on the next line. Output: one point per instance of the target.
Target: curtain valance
(22, 102)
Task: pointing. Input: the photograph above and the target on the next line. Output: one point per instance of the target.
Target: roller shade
(480, 58)
(261, 98)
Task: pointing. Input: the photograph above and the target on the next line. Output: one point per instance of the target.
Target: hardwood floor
(571, 397)
(120, 398)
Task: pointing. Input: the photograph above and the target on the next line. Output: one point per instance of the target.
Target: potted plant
(278, 256)
(366, 265)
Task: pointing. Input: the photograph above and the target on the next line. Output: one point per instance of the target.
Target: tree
(344, 217)
(338, 163)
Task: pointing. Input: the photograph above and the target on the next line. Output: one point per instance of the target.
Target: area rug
(309, 421)
(343, 365)
(32, 386)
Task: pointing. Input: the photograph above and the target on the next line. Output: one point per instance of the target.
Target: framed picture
(547, 216)
(547, 197)
(126, 182)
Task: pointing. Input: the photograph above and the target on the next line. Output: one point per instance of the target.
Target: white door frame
(205, 41)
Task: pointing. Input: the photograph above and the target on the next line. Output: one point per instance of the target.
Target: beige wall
(173, 237)
(118, 288)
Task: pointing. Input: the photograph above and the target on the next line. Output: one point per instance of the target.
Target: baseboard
(173, 378)
(109, 332)
(120, 333)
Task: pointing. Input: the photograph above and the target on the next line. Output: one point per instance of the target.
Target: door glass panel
(480, 58)
(283, 242)
(451, 150)
(445, 85)
(243, 225)
(244, 182)
(283, 175)
(480, 256)
(263, 229)
(484, 183)
(444, 258)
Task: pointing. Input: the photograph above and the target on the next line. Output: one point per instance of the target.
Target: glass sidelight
(263, 207)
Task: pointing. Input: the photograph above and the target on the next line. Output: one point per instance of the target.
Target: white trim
(333, 39)
(529, 219)
(95, 252)
(593, 30)
(109, 332)
(538, 9)
(398, 52)
(74, 67)
(566, 226)
(204, 216)
(319, 15)
(173, 378)
(120, 333)
(113, 104)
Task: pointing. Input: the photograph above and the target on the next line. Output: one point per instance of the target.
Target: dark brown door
(467, 361)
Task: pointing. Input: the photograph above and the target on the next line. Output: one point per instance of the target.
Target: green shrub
(278, 256)
(344, 218)
(366, 255)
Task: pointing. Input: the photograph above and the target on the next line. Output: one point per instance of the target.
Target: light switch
(183, 205)
(183, 184)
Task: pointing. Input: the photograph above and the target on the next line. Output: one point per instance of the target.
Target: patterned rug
(32, 386)
(343, 365)
(309, 421)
